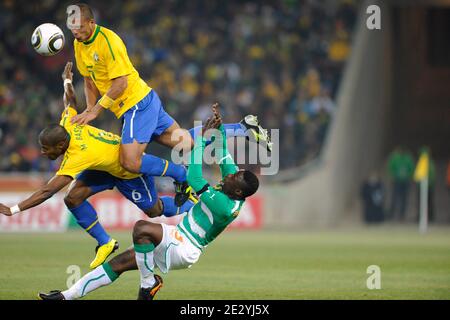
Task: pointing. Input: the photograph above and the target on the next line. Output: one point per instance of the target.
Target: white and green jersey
(215, 210)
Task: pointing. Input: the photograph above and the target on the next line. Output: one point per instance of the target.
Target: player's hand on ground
(83, 118)
(67, 73)
(5, 210)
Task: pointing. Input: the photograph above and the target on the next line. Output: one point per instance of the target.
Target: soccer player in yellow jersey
(102, 59)
(109, 76)
(91, 162)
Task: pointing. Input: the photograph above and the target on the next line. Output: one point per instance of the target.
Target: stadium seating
(275, 60)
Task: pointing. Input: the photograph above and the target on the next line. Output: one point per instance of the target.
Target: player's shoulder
(76, 44)
(66, 116)
(108, 34)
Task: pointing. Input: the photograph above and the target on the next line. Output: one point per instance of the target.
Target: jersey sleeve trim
(92, 39)
(109, 45)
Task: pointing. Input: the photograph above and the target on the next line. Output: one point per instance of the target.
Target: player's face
(232, 182)
(51, 152)
(84, 31)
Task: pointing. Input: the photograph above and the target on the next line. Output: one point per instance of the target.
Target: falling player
(176, 247)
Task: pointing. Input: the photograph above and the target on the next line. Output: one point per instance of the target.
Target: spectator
(373, 195)
(400, 171)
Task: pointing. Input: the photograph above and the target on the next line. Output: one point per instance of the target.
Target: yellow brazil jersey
(104, 57)
(90, 149)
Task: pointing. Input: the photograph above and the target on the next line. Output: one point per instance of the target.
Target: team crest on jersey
(95, 56)
(236, 213)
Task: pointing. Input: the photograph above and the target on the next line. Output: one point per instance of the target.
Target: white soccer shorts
(175, 251)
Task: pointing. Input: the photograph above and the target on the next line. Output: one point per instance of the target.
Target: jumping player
(102, 59)
(176, 247)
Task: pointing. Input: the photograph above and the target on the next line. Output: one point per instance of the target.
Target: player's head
(240, 185)
(54, 141)
(83, 27)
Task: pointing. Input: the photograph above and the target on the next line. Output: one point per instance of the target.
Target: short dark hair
(86, 11)
(53, 134)
(251, 184)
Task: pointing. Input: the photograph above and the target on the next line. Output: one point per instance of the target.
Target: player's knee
(131, 164)
(73, 199)
(154, 211)
(139, 231)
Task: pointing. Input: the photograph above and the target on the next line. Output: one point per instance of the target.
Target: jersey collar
(93, 36)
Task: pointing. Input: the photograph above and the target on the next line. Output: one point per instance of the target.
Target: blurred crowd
(281, 60)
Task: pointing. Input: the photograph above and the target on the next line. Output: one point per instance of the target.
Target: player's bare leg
(133, 159)
(123, 262)
(101, 276)
(131, 156)
(108, 272)
(176, 138)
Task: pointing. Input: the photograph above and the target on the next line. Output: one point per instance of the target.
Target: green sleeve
(226, 162)
(195, 173)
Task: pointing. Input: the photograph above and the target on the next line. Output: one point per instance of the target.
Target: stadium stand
(281, 60)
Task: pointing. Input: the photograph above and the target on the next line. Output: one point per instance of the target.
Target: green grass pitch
(251, 265)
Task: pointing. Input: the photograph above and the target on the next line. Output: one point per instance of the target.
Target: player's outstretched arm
(70, 99)
(195, 170)
(46, 192)
(226, 162)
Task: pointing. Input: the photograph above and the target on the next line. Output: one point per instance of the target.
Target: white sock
(144, 261)
(95, 279)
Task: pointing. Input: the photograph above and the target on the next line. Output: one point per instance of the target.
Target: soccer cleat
(52, 295)
(183, 193)
(103, 252)
(149, 293)
(260, 134)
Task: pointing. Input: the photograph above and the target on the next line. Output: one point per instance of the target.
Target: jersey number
(136, 195)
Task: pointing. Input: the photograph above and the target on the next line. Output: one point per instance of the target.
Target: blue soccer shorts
(145, 120)
(141, 190)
